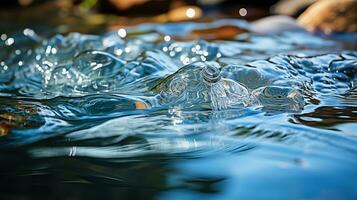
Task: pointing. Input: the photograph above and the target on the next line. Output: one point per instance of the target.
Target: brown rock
(123, 5)
(4, 130)
(275, 24)
(291, 7)
(330, 16)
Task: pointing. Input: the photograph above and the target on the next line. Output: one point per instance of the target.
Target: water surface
(131, 114)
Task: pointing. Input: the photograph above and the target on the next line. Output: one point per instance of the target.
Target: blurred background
(97, 16)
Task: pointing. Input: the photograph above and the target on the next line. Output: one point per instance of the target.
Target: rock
(4, 130)
(124, 5)
(134, 7)
(184, 13)
(291, 7)
(275, 24)
(18, 116)
(330, 16)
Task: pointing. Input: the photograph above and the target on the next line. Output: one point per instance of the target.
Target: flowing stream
(151, 112)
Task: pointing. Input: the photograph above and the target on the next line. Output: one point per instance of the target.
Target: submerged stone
(19, 116)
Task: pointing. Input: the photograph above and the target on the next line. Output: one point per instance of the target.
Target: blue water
(149, 112)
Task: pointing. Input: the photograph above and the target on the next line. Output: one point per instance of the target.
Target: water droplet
(122, 33)
(3, 37)
(29, 32)
(9, 41)
(243, 12)
(190, 13)
(167, 38)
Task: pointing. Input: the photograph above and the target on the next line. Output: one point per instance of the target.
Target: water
(153, 113)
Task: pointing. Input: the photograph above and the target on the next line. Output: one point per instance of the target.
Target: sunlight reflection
(190, 13)
(122, 33)
(243, 12)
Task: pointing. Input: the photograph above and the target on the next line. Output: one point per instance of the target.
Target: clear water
(155, 114)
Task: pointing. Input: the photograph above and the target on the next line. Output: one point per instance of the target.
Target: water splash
(89, 110)
(152, 68)
(200, 84)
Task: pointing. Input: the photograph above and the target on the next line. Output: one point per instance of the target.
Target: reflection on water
(148, 113)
